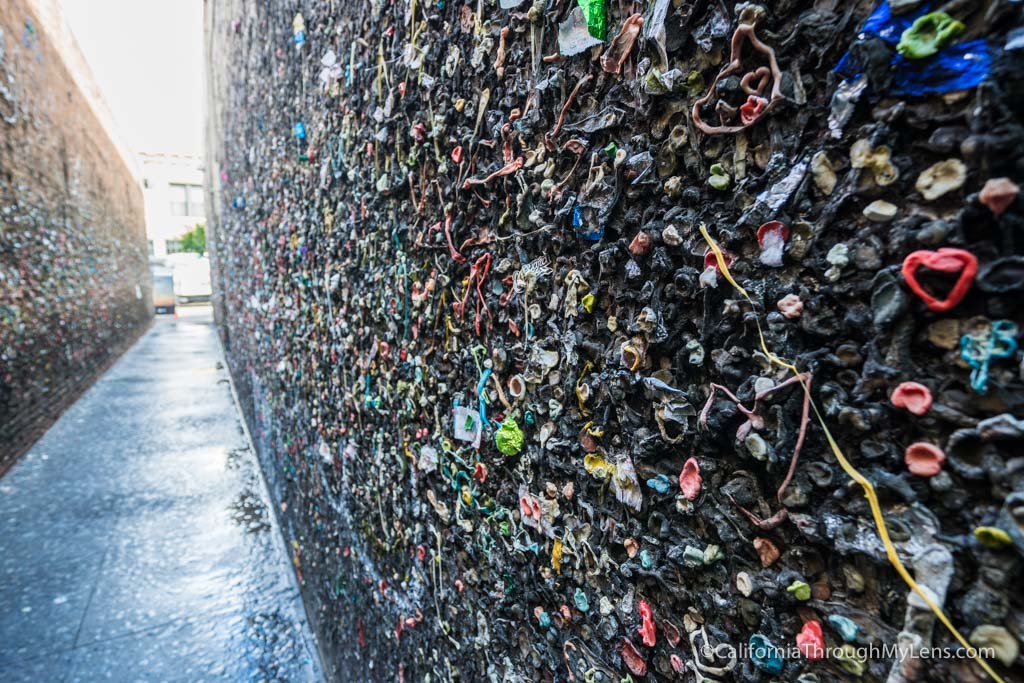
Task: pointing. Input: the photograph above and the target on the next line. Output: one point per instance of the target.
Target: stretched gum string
(869, 490)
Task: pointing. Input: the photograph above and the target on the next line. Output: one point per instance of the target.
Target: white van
(191, 277)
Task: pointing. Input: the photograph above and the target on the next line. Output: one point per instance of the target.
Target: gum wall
(74, 277)
(606, 341)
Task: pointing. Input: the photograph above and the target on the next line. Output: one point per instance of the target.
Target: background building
(173, 192)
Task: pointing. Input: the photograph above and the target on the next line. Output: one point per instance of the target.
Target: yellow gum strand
(869, 490)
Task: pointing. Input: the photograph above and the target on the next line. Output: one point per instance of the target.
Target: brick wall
(489, 214)
(74, 278)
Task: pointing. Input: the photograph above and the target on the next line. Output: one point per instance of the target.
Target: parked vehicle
(191, 277)
(163, 292)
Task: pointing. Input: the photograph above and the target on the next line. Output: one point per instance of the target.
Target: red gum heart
(811, 641)
(924, 459)
(647, 628)
(772, 226)
(689, 479)
(641, 244)
(752, 108)
(913, 397)
(710, 259)
(633, 660)
(944, 260)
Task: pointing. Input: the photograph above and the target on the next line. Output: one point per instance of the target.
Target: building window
(174, 246)
(187, 200)
(150, 247)
(195, 201)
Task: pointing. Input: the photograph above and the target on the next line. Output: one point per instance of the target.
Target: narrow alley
(135, 538)
(501, 341)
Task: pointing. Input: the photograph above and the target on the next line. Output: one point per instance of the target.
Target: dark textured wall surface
(74, 278)
(520, 421)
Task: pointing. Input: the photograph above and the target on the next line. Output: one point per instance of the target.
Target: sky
(147, 58)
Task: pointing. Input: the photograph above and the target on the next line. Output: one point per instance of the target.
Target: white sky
(147, 58)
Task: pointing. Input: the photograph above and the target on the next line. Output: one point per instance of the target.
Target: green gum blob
(992, 537)
(695, 83)
(713, 553)
(928, 35)
(849, 661)
(597, 18)
(693, 555)
(800, 590)
(719, 178)
(509, 437)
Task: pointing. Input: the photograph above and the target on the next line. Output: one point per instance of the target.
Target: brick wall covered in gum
(368, 269)
(75, 286)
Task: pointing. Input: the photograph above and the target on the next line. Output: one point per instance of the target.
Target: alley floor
(136, 542)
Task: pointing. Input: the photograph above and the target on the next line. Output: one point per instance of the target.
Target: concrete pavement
(135, 539)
